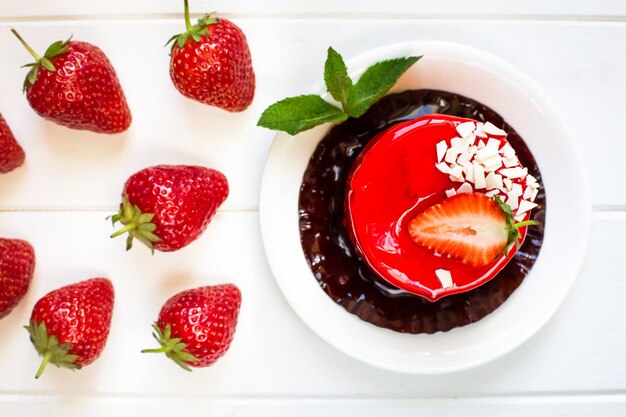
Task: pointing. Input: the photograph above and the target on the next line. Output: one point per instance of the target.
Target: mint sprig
(296, 114)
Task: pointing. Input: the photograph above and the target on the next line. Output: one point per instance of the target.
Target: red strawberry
(471, 228)
(211, 63)
(195, 327)
(17, 263)
(11, 153)
(69, 326)
(75, 85)
(167, 207)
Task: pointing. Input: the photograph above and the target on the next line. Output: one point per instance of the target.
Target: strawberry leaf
(48, 346)
(138, 225)
(512, 227)
(336, 77)
(375, 82)
(172, 347)
(295, 114)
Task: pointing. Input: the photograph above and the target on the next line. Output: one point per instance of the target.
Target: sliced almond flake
(465, 129)
(513, 173)
(443, 167)
(472, 151)
(530, 180)
(479, 176)
(486, 153)
(510, 162)
(528, 193)
(479, 130)
(450, 193)
(480, 144)
(508, 183)
(493, 181)
(465, 188)
(451, 154)
(507, 150)
(464, 158)
(493, 143)
(532, 197)
(442, 147)
(456, 171)
(444, 277)
(525, 206)
(512, 201)
(468, 170)
(517, 189)
(492, 164)
(520, 217)
(490, 129)
(455, 142)
(492, 193)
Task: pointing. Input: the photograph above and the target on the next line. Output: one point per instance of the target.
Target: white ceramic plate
(491, 81)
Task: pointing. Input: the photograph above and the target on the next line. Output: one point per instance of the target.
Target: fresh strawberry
(195, 327)
(75, 85)
(167, 207)
(11, 153)
(471, 228)
(17, 263)
(69, 326)
(211, 63)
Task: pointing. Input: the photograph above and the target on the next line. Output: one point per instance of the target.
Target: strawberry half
(74, 84)
(211, 63)
(17, 263)
(471, 228)
(196, 327)
(11, 153)
(69, 326)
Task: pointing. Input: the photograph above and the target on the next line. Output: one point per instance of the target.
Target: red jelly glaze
(393, 180)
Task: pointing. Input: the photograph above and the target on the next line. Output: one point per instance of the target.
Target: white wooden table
(575, 366)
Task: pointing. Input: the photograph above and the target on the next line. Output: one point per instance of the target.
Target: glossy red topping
(393, 180)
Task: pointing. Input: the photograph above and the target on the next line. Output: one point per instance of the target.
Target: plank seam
(570, 397)
(326, 16)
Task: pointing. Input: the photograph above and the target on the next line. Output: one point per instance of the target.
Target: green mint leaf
(375, 82)
(336, 77)
(296, 114)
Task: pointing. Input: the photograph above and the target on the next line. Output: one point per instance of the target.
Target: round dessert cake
(403, 156)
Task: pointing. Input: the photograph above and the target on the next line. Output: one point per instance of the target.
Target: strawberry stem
(187, 18)
(44, 363)
(48, 346)
(27, 46)
(526, 223)
(138, 225)
(173, 347)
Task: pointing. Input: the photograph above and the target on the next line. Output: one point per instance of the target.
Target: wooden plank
(86, 171)
(571, 406)
(274, 354)
(603, 9)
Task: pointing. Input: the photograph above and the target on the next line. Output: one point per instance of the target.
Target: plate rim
(583, 230)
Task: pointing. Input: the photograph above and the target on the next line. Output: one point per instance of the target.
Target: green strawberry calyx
(172, 347)
(512, 227)
(54, 50)
(49, 347)
(137, 224)
(201, 28)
